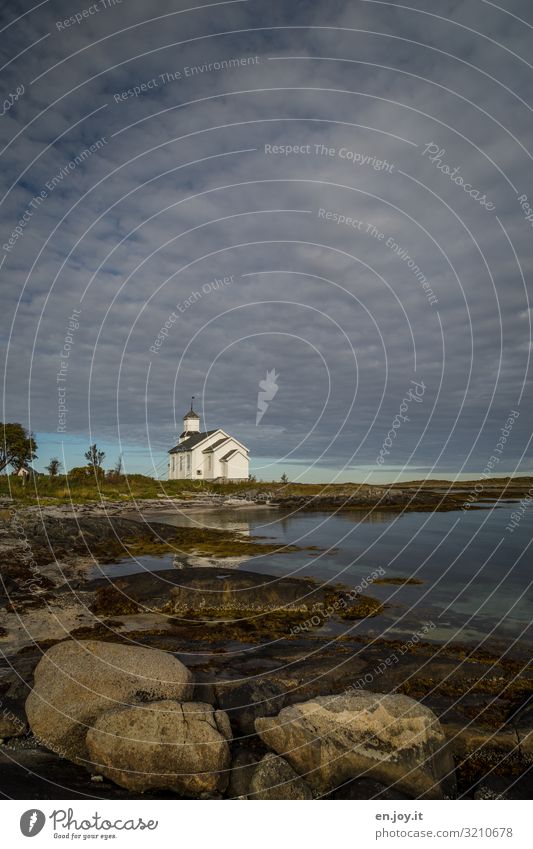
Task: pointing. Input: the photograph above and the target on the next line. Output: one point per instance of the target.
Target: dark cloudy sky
(415, 121)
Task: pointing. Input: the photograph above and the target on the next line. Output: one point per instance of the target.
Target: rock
(212, 593)
(246, 699)
(274, 778)
(365, 789)
(508, 787)
(522, 723)
(242, 768)
(12, 720)
(77, 681)
(525, 737)
(483, 749)
(487, 794)
(181, 747)
(391, 738)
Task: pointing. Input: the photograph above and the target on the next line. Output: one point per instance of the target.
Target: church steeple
(191, 422)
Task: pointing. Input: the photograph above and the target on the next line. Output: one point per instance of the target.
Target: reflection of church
(207, 455)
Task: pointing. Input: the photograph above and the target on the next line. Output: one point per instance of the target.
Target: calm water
(476, 576)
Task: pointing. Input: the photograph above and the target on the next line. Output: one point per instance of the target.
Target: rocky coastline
(225, 689)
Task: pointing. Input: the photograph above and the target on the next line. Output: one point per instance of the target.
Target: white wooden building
(207, 455)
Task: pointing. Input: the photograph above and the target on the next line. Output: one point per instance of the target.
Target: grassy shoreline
(73, 490)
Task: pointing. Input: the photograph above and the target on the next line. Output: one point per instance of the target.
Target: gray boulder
(274, 778)
(180, 747)
(333, 739)
(75, 682)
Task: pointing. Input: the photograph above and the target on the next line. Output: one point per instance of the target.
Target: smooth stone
(180, 747)
(77, 681)
(333, 739)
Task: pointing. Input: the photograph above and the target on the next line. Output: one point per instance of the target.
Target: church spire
(191, 422)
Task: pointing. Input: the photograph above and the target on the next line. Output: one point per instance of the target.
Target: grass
(79, 490)
(64, 490)
(82, 489)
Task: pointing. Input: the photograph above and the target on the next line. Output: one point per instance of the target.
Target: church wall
(236, 468)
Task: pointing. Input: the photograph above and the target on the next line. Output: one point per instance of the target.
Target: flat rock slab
(208, 592)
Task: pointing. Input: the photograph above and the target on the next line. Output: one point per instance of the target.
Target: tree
(17, 447)
(118, 466)
(53, 467)
(79, 472)
(116, 473)
(94, 457)
(284, 478)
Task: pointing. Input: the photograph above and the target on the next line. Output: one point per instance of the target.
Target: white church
(207, 455)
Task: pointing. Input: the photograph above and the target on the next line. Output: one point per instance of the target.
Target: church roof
(229, 454)
(215, 445)
(191, 441)
(191, 415)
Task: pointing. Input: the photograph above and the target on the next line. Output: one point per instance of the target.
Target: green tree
(284, 478)
(17, 446)
(53, 467)
(79, 472)
(94, 457)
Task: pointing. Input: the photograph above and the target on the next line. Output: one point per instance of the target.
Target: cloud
(183, 191)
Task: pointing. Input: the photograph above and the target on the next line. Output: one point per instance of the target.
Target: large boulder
(75, 682)
(180, 747)
(333, 739)
(274, 778)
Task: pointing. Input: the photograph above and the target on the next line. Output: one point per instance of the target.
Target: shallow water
(477, 577)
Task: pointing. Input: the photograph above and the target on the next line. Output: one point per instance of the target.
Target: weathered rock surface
(289, 683)
(522, 723)
(274, 778)
(77, 681)
(181, 747)
(245, 600)
(476, 745)
(333, 739)
(208, 592)
(12, 720)
(364, 789)
(243, 765)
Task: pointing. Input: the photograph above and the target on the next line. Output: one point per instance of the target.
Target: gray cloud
(181, 192)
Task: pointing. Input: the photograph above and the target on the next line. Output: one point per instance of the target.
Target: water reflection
(264, 520)
(474, 577)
